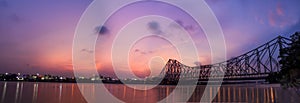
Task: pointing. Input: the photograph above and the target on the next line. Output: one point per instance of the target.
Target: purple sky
(37, 36)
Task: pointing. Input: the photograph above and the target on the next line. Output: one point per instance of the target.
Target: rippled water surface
(27, 92)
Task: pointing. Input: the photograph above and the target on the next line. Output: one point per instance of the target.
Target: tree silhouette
(289, 76)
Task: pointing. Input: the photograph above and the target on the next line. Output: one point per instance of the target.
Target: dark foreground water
(31, 92)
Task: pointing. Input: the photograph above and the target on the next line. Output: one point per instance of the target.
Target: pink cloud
(272, 21)
(279, 10)
(279, 18)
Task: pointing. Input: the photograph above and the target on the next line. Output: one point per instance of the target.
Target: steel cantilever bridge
(255, 64)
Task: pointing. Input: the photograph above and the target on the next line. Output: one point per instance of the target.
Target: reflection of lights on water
(72, 93)
(21, 92)
(265, 96)
(234, 95)
(224, 99)
(4, 92)
(145, 92)
(35, 91)
(93, 90)
(219, 94)
(72, 90)
(60, 90)
(228, 94)
(252, 92)
(167, 92)
(124, 93)
(257, 95)
(240, 94)
(246, 94)
(134, 92)
(17, 92)
(210, 94)
(272, 95)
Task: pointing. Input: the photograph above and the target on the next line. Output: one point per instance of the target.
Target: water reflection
(31, 92)
(3, 92)
(35, 90)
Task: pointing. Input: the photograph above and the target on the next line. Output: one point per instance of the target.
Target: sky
(37, 36)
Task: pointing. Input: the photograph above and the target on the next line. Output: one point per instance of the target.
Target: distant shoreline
(223, 84)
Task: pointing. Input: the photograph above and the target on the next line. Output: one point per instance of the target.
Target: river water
(33, 92)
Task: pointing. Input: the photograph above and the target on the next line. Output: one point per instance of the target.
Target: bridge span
(256, 64)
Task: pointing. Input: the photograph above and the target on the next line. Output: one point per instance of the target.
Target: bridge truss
(257, 63)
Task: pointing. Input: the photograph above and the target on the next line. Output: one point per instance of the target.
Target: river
(34, 92)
